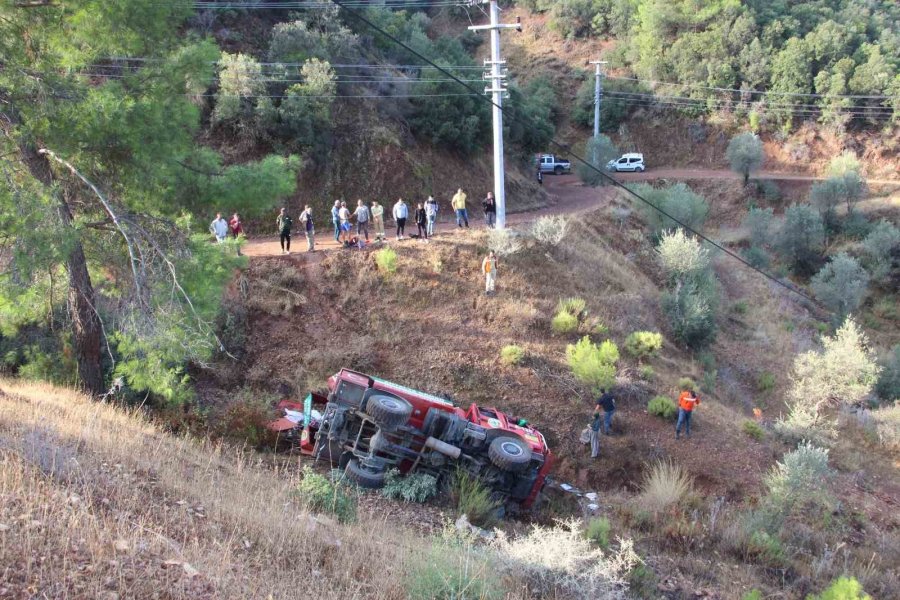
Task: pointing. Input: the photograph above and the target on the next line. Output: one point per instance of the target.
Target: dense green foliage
(745, 154)
(643, 344)
(679, 201)
(512, 355)
(801, 239)
(415, 487)
(827, 47)
(841, 285)
(691, 301)
(842, 588)
(321, 494)
(593, 364)
(144, 287)
(662, 407)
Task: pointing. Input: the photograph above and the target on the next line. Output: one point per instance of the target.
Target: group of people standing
(352, 227)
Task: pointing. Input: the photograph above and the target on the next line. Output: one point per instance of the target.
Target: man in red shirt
(686, 403)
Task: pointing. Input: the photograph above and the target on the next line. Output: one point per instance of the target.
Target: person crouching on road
(490, 210)
(219, 228)
(309, 227)
(687, 401)
(595, 434)
(400, 213)
(336, 219)
(284, 223)
(489, 268)
(377, 211)
(421, 222)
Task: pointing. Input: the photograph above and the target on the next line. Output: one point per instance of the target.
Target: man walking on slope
(459, 205)
(284, 223)
(686, 403)
(608, 403)
(489, 268)
(219, 228)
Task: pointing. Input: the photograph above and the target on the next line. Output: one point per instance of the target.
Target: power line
(566, 149)
(726, 101)
(752, 92)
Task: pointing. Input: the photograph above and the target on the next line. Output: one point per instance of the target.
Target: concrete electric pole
(598, 92)
(497, 90)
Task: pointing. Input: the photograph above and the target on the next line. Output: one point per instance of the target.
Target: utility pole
(497, 90)
(598, 93)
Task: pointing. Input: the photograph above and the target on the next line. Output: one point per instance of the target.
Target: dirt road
(568, 196)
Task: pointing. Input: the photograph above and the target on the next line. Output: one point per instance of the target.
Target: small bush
(801, 238)
(740, 307)
(593, 364)
(842, 588)
(691, 310)
(888, 385)
(687, 384)
(474, 500)
(665, 485)
(765, 382)
(841, 285)
(759, 223)
(320, 494)
(745, 154)
(598, 531)
(512, 355)
(573, 306)
(647, 373)
(878, 248)
(757, 257)
(677, 200)
(564, 322)
(386, 259)
(504, 242)
(765, 548)
(643, 344)
(559, 562)
(550, 230)
(662, 407)
(798, 479)
(753, 429)
(447, 572)
(681, 255)
(415, 487)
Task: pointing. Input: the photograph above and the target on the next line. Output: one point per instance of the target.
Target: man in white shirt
(219, 228)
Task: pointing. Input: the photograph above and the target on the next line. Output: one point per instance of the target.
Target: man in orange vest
(686, 403)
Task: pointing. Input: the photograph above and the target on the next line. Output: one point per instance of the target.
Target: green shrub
(386, 259)
(564, 322)
(593, 364)
(647, 373)
(757, 257)
(708, 383)
(598, 531)
(877, 249)
(687, 384)
(766, 548)
(753, 429)
(765, 382)
(512, 355)
(745, 154)
(643, 344)
(677, 200)
(663, 407)
(473, 499)
(753, 594)
(842, 588)
(758, 222)
(740, 307)
(888, 384)
(841, 285)
(799, 478)
(320, 494)
(448, 572)
(415, 487)
(573, 306)
(801, 238)
(642, 581)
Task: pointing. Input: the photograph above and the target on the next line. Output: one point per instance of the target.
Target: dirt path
(567, 194)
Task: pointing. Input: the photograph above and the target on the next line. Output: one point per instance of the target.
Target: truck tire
(558, 170)
(362, 476)
(509, 454)
(388, 412)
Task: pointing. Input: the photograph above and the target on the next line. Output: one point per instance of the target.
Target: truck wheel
(509, 454)
(558, 170)
(363, 476)
(388, 412)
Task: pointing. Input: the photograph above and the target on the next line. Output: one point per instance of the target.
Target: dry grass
(665, 484)
(95, 502)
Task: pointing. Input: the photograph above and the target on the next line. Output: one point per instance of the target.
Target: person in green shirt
(284, 223)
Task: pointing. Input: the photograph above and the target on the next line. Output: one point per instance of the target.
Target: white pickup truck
(550, 163)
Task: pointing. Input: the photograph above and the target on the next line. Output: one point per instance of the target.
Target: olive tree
(801, 238)
(745, 154)
(841, 285)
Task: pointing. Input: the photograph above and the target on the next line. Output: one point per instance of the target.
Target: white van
(629, 162)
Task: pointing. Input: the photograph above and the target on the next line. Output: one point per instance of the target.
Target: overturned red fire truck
(369, 426)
